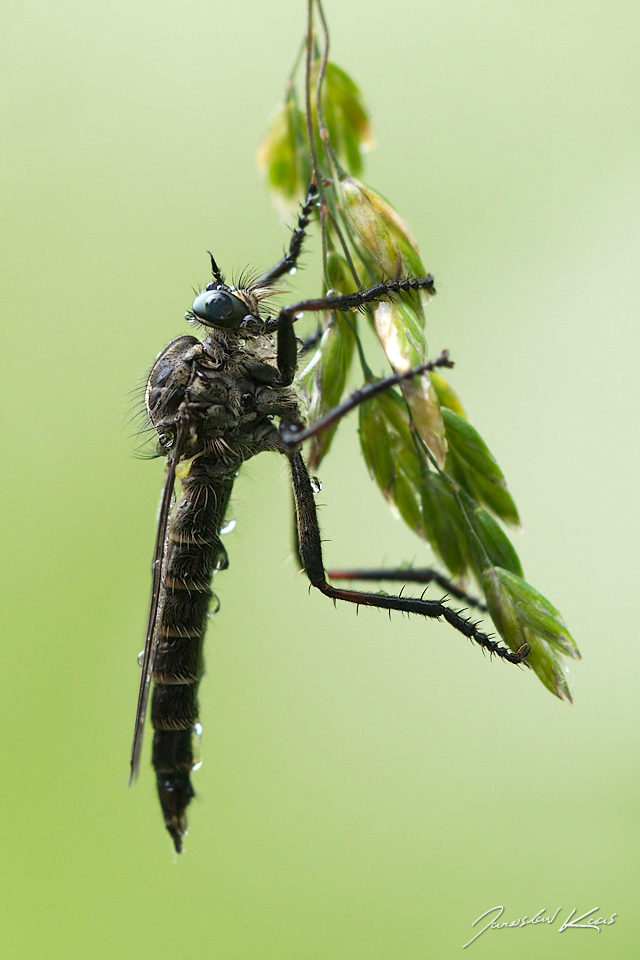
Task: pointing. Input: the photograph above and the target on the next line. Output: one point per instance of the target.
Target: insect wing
(155, 611)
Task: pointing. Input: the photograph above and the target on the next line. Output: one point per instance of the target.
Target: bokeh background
(369, 787)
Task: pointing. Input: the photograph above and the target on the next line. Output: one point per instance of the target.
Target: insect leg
(293, 433)
(282, 325)
(401, 574)
(290, 258)
(353, 301)
(311, 555)
(295, 539)
(410, 575)
(423, 575)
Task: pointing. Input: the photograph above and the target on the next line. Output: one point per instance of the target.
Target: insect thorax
(227, 391)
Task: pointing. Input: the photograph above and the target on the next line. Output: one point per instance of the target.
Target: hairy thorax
(227, 391)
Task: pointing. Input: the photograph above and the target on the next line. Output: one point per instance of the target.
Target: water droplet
(228, 526)
(292, 271)
(214, 605)
(316, 485)
(140, 658)
(221, 559)
(197, 761)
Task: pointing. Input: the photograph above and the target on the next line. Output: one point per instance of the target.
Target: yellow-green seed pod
(503, 610)
(346, 116)
(338, 274)
(542, 661)
(283, 155)
(426, 414)
(400, 332)
(539, 615)
(407, 501)
(381, 231)
(496, 498)
(331, 368)
(469, 445)
(444, 524)
(391, 456)
(522, 615)
(447, 395)
(375, 444)
(497, 546)
(329, 378)
(472, 464)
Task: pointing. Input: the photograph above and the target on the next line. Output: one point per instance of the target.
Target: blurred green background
(369, 787)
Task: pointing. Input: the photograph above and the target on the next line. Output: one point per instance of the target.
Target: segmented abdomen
(194, 553)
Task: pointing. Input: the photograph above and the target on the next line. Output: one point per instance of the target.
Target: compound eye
(219, 308)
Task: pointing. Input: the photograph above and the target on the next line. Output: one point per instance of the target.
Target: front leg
(353, 301)
(287, 356)
(290, 259)
(282, 325)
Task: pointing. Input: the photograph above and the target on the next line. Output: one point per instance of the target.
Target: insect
(214, 404)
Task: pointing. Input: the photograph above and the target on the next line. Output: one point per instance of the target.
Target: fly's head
(234, 309)
(222, 307)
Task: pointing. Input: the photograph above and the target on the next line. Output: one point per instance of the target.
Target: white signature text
(571, 923)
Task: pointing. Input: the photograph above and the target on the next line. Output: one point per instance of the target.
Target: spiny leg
(282, 325)
(410, 575)
(295, 539)
(296, 433)
(311, 555)
(423, 575)
(290, 258)
(353, 301)
(293, 433)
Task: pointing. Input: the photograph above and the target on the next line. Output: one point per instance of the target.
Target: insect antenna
(215, 269)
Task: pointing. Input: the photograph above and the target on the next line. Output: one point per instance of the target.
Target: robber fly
(215, 403)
